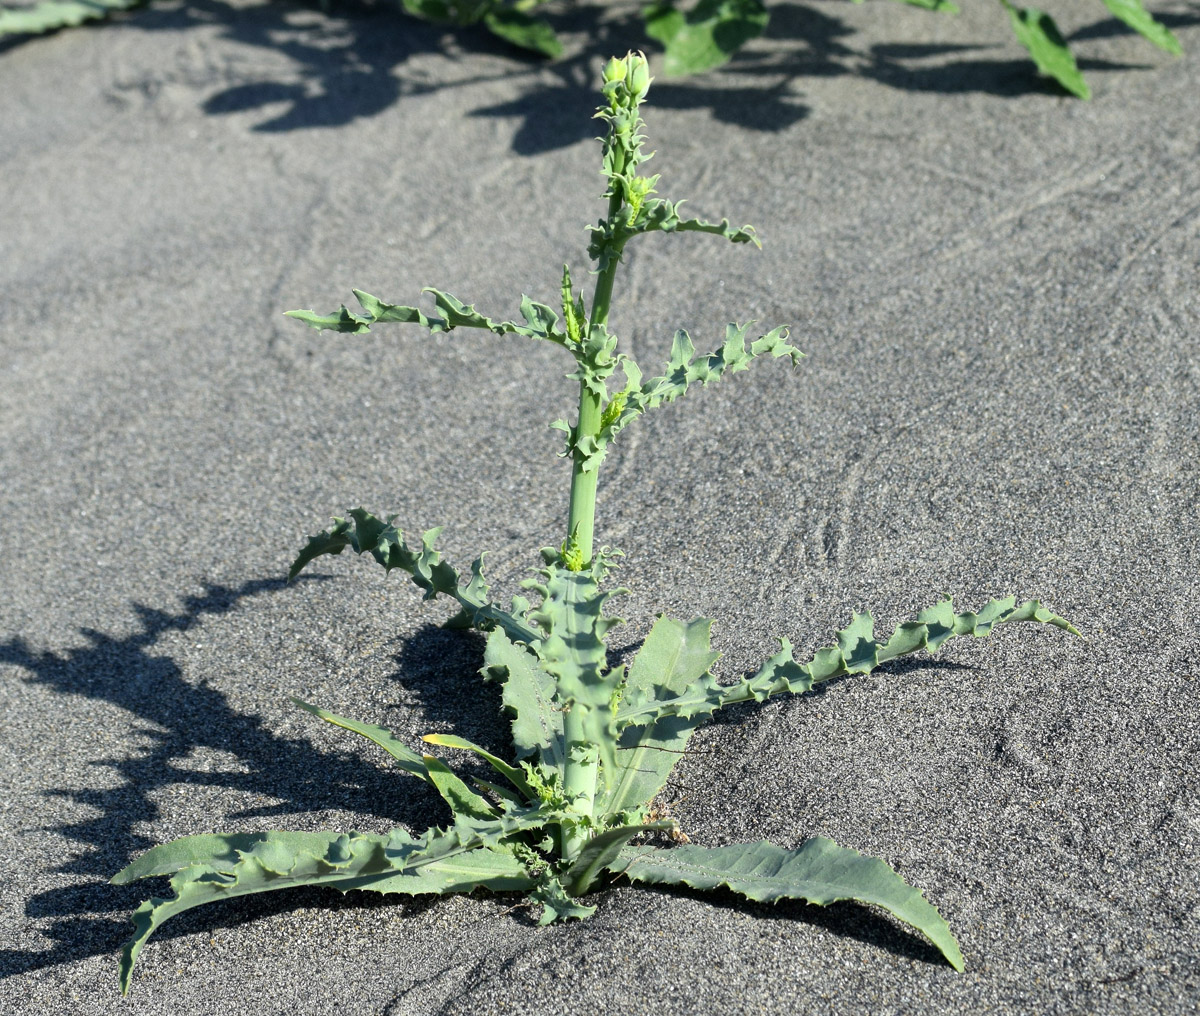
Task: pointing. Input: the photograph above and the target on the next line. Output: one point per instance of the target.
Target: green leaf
(572, 651)
(601, 851)
(1037, 32)
(675, 655)
(409, 760)
(461, 798)
(524, 31)
(541, 322)
(819, 871)
(528, 696)
(707, 35)
(210, 868)
(856, 652)
(686, 368)
(384, 542)
(511, 773)
(941, 6)
(1143, 22)
(557, 903)
(51, 15)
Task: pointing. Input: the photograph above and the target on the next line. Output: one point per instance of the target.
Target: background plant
(695, 36)
(593, 744)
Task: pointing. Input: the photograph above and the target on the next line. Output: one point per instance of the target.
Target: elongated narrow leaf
(511, 773)
(1037, 32)
(941, 6)
(408, 760)
(818, 871)
(1143, 22)
(601, 851)
(461, 798)
(856, 652)
(540, 321)
(707, 35)
(240, 864)
(528, 697)
(572, 651)
(685, 368)
(51, 15)
(674, 656)
(364, 533)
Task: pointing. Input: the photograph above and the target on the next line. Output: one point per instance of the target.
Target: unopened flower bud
(637, 77)
(614, 71)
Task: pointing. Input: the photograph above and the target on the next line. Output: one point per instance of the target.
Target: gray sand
(997, 290)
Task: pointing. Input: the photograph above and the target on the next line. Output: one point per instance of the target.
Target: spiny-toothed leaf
(461, 798)
(572, 651)
(685, 368)
(1143, 22)
(663, 216)
(51, 15)
(707, 35)
(240, 864)
(675, 655)
(601, 851)
(540, 320)
(522, 30)
(408, 760)
(385, 543)
(819, 871)
(557, 903)
(511, 773)
(857, 652)
(1037, 32)
(528, 696)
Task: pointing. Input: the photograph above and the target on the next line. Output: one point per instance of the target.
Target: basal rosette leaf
(818, 871)
(675, 655)
(601, 851)
(857, 652)
(217, 867)
(408, 760)
(364, 533)
(528, 697)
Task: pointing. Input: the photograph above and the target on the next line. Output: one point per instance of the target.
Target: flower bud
(637, 77)
(614, 71)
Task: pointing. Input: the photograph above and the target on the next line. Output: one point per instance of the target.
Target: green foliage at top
(696, 35)
(593, 745)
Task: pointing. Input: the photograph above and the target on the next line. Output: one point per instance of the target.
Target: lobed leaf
(521, 29)
(819, 872)
(675, 655)
(685, 368)
(1037, 32)
(384, 542)
(217, 867)
(856, 652)
(528, 695)
(573, 653)
(557, 903)
(540, 321)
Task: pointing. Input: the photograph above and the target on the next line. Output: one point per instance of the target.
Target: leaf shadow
(289, 775)
(845, 919)
(357, 60)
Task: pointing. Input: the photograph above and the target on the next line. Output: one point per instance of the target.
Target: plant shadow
(358, 59)
(288, 776)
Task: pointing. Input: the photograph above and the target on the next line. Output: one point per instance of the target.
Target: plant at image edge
(594, 745)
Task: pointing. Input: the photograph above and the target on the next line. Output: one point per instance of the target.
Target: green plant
(696, 36)
(594, 744)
